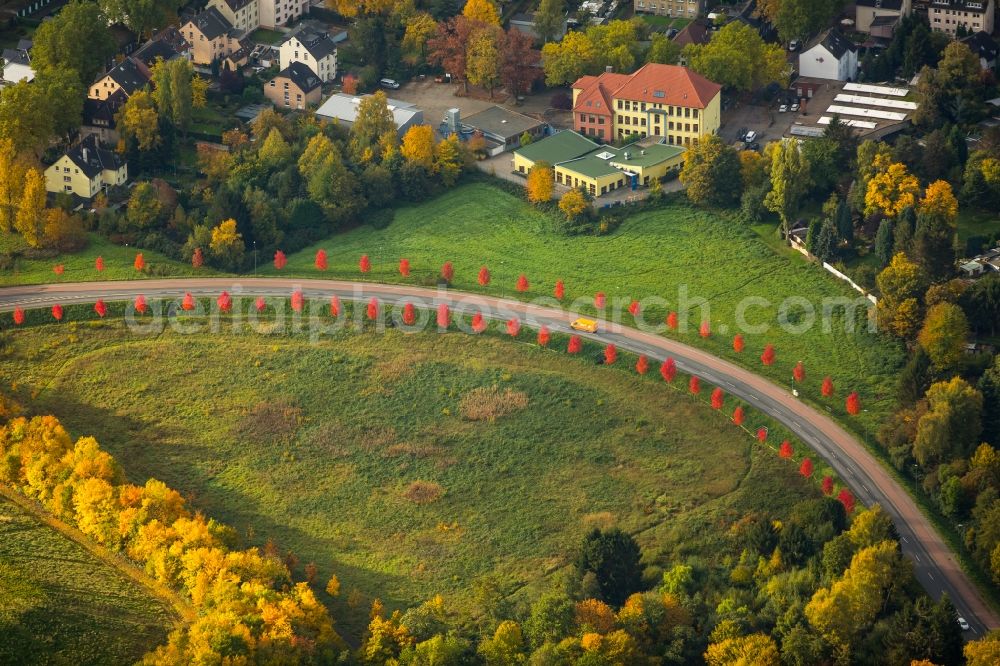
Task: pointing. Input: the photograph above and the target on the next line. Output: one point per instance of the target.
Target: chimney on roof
(609, 69)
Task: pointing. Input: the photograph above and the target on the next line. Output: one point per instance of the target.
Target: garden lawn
(59, 604)
(79, 266)
(384, 460)
(653, 253)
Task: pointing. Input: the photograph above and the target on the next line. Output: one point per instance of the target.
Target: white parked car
(782, 108)
(794, 107)
(963, 624)
(751, 137)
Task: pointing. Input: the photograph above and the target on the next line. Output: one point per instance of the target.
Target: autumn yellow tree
(482, 60)
(139, 120)
(900, 283)
(752, 650)
(752, 172)
(483, 11)
(939, 200)
(449, 160)
(11, 184)
(540, 183)
(227, 244)
(944, 334)
(985, 651)
(892, 189)
(418, 146)
(573, 204)
(419, 28)
(30, 218)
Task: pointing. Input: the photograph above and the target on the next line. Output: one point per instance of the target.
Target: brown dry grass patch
(489, 404)
(423, 492)
(603, 520)
(270, 421)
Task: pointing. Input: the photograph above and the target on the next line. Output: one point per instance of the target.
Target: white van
(391, 84)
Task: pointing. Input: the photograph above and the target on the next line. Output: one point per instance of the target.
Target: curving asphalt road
(934, 564)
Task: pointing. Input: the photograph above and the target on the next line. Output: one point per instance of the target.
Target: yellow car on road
(585, 325)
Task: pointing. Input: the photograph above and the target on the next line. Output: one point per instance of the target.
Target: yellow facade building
(85, 170)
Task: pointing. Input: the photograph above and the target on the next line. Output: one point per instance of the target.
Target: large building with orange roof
(666, 101)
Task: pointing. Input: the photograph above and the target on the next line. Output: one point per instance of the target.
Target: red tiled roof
(597, 92)
(679, 85)
(695, 32)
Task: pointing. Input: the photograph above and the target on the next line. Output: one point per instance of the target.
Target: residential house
(984, 46)
(832, 57)
(598, 168)
(213, 38)
(667, 101)
(242, 14)
(884, 13)
(165, 45)
(525, 22)
(295, 87)
(316, 50)
(85, 170)
(248, 15)
(973, 15)
(676, 8)
(126, 76)
(343, 109)
(17, 63)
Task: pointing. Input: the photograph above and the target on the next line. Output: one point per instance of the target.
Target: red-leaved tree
(99, 264)
(18, 316)
(279, 260)
(140, 304)
(599, 300)
(672, 321)
(364, 263)
(321, 262)
(762, 435)
(522, 283)
(373, 309)
(57, 312)
(139, 262)
(827, 388)
(668, 370)
(694, 385)
(717, 397)
(853, 404)
(404, 267)
(799, 372)
(188, 302)
(100, 308)
(827, 485)
(409, 314)
(634, 308)
(560, 290)
(806, 468)
(642, 365)
(738, 343)
(785, 450)
(705, 330)
(297, 300)
(443, 315)
(767, 357)
(197, 258)
(478, 323)
(334, 306)
(575, 344)
(59, 269)
(847, 499)
(513, 327)
(610, 354)
(447, 271)
(225, 302)
(484, 276)
(260, 304)
(739, 416)
(543, 336)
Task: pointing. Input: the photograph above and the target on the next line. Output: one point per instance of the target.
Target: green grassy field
(655, 253)
(79, 266)
(376, 458)
(59, 604)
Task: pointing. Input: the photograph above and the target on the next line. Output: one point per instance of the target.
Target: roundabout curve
(934, 564)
